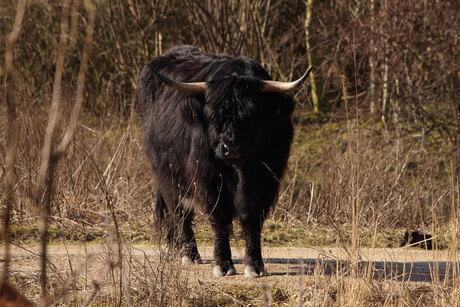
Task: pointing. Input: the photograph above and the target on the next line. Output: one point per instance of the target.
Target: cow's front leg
(253, 265)
(250, 205)
(222, 253)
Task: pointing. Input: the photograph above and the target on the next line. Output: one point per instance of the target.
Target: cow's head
(234, 110)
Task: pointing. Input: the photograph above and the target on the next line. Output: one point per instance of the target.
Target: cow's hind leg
(180, 235)
(222, 225)
(187, 241)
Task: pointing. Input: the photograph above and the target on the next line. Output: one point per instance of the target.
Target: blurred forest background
(377, 126)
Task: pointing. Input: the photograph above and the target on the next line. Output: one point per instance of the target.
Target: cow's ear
(191, 110)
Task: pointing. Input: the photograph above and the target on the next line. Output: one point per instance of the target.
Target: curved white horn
(185, 87)
(277, 86)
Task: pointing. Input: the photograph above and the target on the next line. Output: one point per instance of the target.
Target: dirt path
(282, 264)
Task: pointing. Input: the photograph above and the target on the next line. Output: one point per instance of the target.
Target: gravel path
(283, 264)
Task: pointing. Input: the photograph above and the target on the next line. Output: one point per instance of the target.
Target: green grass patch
(56, 234)
(274, 234)
(280, 234)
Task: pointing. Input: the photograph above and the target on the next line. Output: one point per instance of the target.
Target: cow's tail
(160, 208)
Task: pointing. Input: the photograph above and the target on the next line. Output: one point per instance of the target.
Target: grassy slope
(320, 152)
(315, 145)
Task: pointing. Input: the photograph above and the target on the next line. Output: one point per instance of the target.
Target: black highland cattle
(217, 132)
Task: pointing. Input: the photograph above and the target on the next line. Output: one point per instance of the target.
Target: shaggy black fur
(184, 138)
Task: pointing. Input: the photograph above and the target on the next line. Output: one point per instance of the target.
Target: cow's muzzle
(230, 152)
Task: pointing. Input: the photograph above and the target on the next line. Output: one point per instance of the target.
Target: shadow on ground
(421, 271)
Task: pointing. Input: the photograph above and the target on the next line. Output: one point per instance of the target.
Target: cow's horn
(185, 87)
(276, 86)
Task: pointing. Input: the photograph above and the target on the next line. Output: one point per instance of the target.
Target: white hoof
(231, 270)
(216, 271)
(250, 272)
(186, 260)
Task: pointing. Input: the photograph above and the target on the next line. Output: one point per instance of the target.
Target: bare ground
(283, 264)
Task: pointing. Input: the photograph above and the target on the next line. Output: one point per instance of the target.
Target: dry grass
(106, 160)
(396, 183)
(157, 279)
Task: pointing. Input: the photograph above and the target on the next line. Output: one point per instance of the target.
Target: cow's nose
(231, 151)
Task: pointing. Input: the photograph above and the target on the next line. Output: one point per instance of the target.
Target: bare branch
(54, 113)
(48, 164)
(68, 136)
(12, 131)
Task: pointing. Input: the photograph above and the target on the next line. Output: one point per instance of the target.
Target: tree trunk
(314, 93)
(385, 66)
(372, 60)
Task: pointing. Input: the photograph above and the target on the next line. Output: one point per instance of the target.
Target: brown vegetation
(380, 151)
